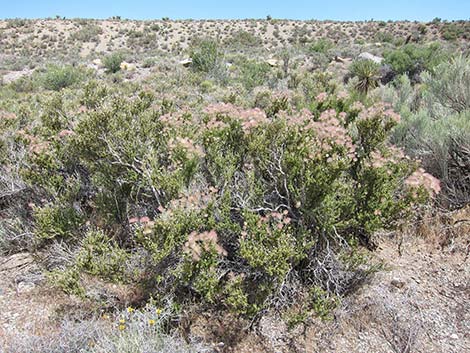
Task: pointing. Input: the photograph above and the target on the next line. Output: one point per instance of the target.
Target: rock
(371, 57)
(16, 261)
(396, 282)
(97, 62)
(25, 287)
(339, 59)
(186, 62)
(273, 62)
(127, 66)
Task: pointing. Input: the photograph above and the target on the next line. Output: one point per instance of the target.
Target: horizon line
(169, 19)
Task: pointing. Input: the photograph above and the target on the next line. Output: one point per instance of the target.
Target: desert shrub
(243, 39)
(435, 126)
(16, 23)
(451, 31)
(367, 73)
(253, 73)
(321, 46)
(142, 330)
(412, 59)
(57, 77)
(443, 147)
(55, 221)
(101, 256)
(236, 208)
(23, 85)
(449, 84)
(88, 33)
(205, 55)
(112, 62)
(384, 37)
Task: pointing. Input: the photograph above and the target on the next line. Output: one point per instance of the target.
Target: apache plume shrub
(235, 208)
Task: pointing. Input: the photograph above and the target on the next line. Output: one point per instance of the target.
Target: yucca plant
(367, 72)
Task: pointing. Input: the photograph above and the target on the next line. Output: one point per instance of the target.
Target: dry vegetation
(234, 186)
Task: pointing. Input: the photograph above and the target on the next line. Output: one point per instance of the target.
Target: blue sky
(422, 10)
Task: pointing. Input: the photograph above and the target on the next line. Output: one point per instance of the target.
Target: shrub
(449, 84)
(233, 207)
(57, 77)
(130, 330)
(253, 73)
(451, 31)
(88, 33)
(321, 46)
(205, 55)
(367, 73)
(112, 62)
(413, 59)
(243, 39)
(435, 126)
(53, 221)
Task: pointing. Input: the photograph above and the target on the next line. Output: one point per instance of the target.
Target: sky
(421, 10)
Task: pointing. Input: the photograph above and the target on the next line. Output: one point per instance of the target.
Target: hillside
(234, 186)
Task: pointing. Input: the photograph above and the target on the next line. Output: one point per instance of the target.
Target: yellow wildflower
(122, 321)
(130, 309)
(151, 322)
(122, 327)
(158, 311)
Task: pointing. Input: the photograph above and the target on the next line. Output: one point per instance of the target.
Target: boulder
(371, 57)
(128, 66)
(186, 62)
(339, 59)
(273, 62)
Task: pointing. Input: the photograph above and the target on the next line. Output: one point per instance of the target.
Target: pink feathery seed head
(7, 115)
(321, 97)
(343, 95)
(82, 109)
(357, 106)
(64, 133)
(392, 115)
(144, 219)
(39, 147)
(133, 220)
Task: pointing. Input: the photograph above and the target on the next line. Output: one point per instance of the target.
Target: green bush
(55, 221)
(253, 73)
(412, 59)
(57, 77)
(449, 84)
(205, 55)
(112, 62)
(451, 31)
(321, 46)
(88, 33)
(230, 207)
(243, 39)
(367, 73)
(436, 126)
